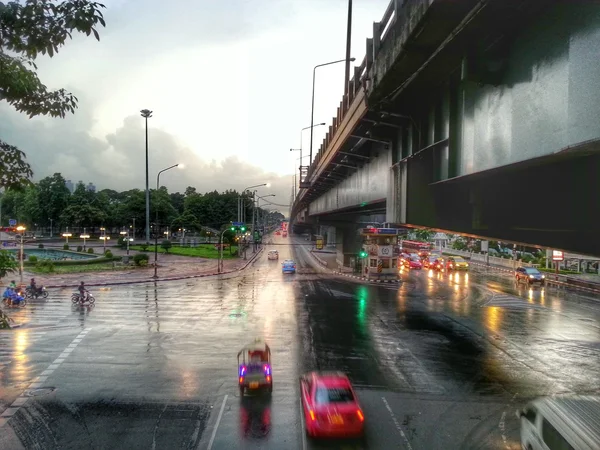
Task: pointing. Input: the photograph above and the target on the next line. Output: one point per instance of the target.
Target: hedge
(80, 262)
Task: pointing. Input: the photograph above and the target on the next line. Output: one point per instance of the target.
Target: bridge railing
(382, 31)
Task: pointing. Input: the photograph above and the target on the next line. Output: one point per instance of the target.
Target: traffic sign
(12, 222)
(557, 255)
(237, 224)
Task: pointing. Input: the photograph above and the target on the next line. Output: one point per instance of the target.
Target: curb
(356, 277)
(548, 280)
(149, 280)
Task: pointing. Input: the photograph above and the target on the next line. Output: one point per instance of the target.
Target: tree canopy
(27, 29)
(38, 203)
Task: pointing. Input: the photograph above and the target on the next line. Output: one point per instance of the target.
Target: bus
(423, 249)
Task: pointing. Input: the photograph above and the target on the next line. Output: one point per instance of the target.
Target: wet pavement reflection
(438, 361)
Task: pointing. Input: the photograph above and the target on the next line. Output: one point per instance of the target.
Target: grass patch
(201, 251)
(102, 267)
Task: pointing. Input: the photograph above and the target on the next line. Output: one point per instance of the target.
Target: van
(561, 423)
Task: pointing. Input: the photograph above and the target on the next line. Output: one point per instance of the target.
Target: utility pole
(348, 49)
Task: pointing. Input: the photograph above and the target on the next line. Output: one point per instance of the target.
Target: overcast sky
(229, 82)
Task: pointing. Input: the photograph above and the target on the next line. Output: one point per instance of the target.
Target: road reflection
(255, 416)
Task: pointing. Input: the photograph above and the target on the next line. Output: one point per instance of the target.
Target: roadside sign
(237, 224)
(485, 246)
(557, 255)
(319, 243)
(12, 222)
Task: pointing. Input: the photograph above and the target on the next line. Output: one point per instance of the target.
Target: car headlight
(530, 276)
(543, 276)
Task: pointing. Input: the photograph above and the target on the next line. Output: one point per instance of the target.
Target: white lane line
(214, 433)
(38, 382)
(398, 427)
(303, 428)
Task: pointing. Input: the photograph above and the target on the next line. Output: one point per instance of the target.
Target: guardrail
(360, 80)
(494, 260)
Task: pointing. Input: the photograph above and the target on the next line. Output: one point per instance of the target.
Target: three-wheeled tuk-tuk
(254, 362)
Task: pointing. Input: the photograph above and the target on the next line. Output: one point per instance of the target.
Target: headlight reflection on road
(493, 317)
(20, 368)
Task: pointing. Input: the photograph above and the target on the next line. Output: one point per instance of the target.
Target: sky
(229, 83)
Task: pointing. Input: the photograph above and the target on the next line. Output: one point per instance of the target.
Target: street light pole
(146, 114)
(241, 203)
(156, 222)
(312, 108)
(21, 229)
(51, 227)
(220, 269)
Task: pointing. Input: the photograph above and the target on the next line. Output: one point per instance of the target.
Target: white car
(273, 254)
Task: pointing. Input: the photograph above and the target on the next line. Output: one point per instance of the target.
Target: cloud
(118, 160)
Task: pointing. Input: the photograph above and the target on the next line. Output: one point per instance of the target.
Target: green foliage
(90, 250)
(33, 259)
(459, 244)
(66, 247)
(144, 247)
(141, 259)
(28, 29)
(40, 245)
(424, 234)
(166, 244)
(79, 248)
(8, 263)
(45, 265)
(108, 254)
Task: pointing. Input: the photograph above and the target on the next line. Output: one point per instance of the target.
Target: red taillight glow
(312, 415)
(360, 415)
(241, 380)
(268, 378)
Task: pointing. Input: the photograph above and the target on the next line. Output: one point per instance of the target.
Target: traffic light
(243, 228)
(233, 228)
(362, 254)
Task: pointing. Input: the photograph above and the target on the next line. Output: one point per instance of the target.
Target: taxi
(330, 406)
(288, 266)
(457, 263)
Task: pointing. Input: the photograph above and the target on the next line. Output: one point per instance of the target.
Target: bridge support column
(348, 244)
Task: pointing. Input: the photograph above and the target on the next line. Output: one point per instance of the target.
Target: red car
(413, 262)
(330, 406)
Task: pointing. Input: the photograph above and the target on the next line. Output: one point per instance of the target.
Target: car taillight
(360, 415)
(312, 415)
(241, 380)
(267, 369)
(268, 378)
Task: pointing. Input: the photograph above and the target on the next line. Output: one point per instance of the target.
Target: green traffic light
(243, 228)
(363, 254)
(232, 228)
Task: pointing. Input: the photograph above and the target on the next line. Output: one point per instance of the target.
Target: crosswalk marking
(510, 302)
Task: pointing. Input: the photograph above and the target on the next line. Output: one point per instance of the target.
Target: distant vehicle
(284, 234)
(288, 266)
(569, 422)
(273, 254)
(422, 248)
(330, 405)
(412, 262)
(457, 263)
(529, 275)
(434, 263)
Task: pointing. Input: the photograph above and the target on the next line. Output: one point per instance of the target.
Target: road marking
(214, 433)
(38, 382)
(398, 427)
(302, 430)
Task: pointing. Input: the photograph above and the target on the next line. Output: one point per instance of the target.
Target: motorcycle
(76, 298)
(16, 298)
(41, 291)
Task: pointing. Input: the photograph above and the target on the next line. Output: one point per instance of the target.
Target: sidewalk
(170, 267)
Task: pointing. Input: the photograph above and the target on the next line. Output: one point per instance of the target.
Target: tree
(28, 29)
(177, 200)
(8, 263)
(53, 197)
(424, 234)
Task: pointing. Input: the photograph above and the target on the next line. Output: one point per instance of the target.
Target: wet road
(441, 361)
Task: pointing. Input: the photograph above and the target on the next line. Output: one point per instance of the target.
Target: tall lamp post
(84, 236)
(51, 220)
(312, 108)
(103, 237)
(67, 235)
(156, 231)
(21, 229)
(241, 208)
(126, 233)
(146, 114)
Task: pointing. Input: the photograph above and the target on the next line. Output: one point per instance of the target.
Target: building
(91, 187)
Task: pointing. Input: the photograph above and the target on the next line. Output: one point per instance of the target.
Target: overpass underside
(482, 118)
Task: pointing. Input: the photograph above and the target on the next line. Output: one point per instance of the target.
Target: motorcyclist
(33, 287)
(12, 284)
(82, 292)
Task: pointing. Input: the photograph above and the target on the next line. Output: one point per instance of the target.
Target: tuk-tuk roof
(257, 344)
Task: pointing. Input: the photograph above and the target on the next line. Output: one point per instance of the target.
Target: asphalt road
(441, 361)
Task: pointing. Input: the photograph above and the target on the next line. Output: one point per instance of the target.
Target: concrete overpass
(477, 117)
